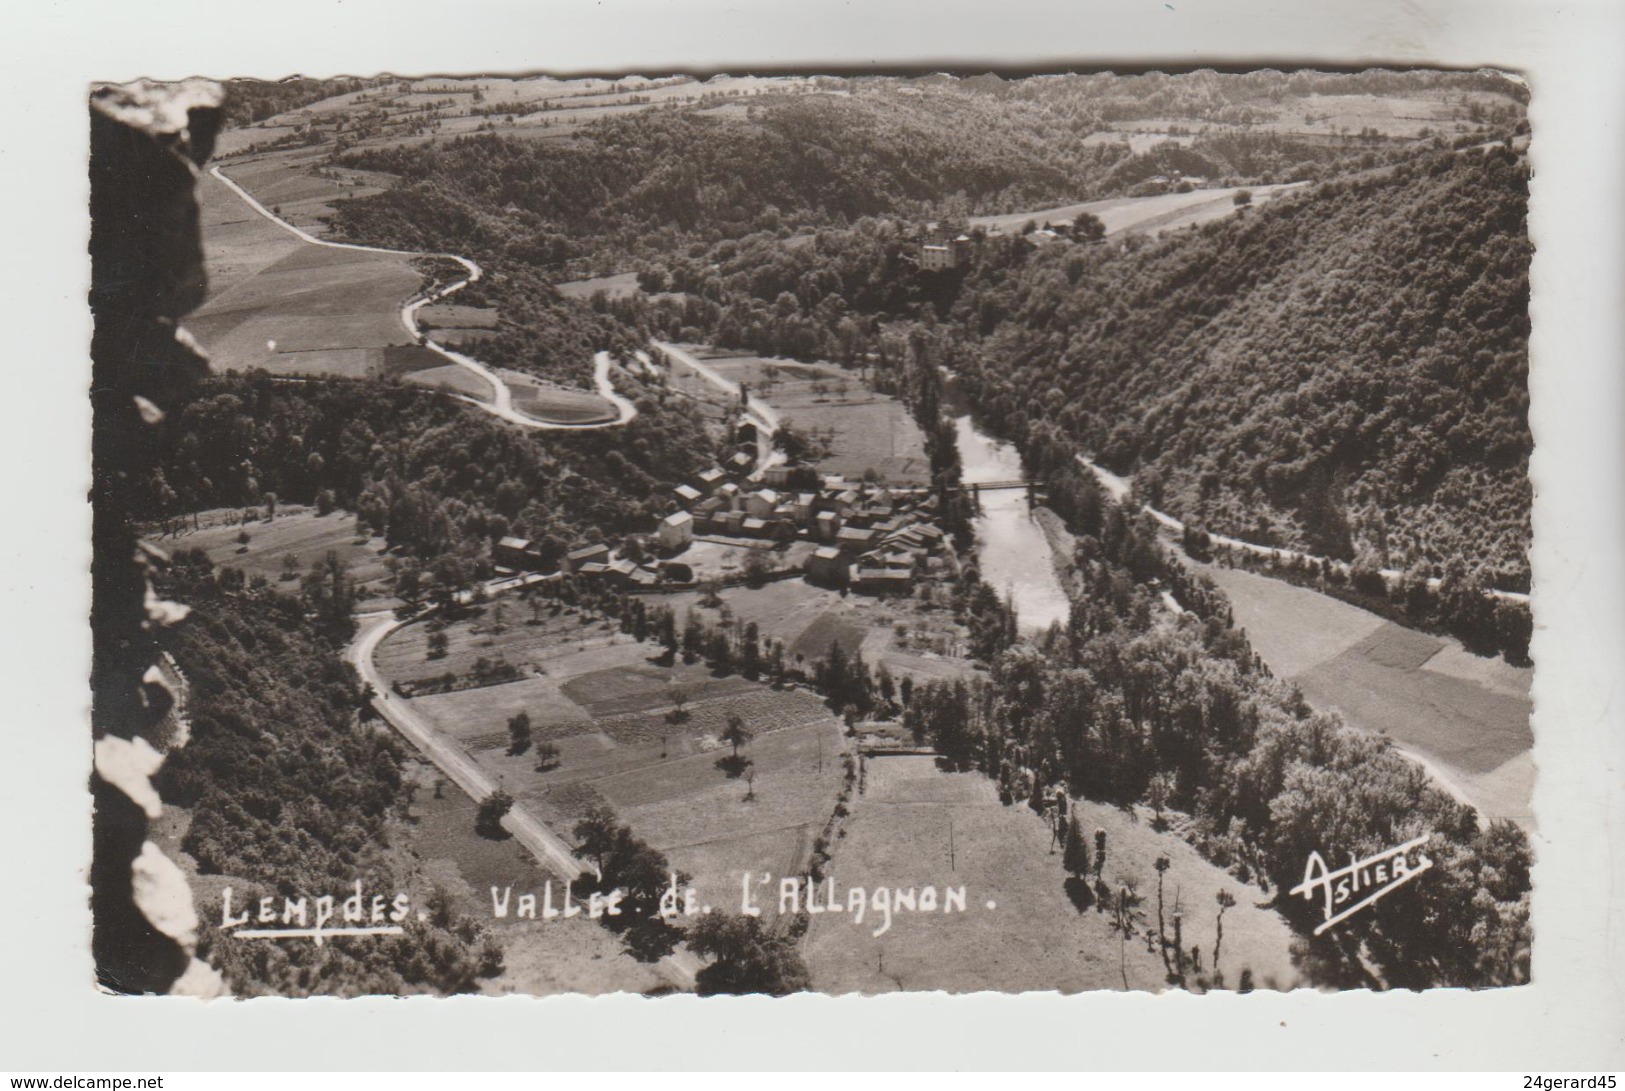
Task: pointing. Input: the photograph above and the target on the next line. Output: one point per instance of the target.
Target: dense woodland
(1345, 371)
(659, 183)
(292, 792)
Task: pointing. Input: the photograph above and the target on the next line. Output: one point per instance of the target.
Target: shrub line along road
(527, 829)
(501, 404)
(1118, 488)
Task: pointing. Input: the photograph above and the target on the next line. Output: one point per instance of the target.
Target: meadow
(550, 402)
(916, 825)
(1137, 214)
(436, 839)
(908, 635)
(291, 308)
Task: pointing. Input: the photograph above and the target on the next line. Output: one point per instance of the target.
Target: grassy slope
(1034, 938)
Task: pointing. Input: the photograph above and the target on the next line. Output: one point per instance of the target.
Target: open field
(291, 308)
(547, 401)
(863, 430)
(619, 286)
(451, 377)
(526, 634)
(457, 326)
(1139, 214)
(1465, 716)
(298, 533)
(915, 825)
(558, 106)
(605, 703)
(301, 186)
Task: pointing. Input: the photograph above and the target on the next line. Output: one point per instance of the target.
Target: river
(1014, 554)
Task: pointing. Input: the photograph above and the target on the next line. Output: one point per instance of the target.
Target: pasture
(619, 286)
(915, 825)
(550, 402)
(291, 543)
(1467, 718)
(907, 634)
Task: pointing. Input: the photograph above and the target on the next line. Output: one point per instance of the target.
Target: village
(862, 536)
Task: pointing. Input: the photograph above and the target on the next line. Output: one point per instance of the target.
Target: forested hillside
(653, 181)
(438, 480)
(291, 793)
(1345, 370)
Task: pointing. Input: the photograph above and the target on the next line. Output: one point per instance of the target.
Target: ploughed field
(607, 704)
(1467, 717)
(915, 825)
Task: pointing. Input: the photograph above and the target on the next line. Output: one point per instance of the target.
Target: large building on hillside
(676, 531)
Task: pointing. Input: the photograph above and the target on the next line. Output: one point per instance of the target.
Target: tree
(1075, 854)
(1242, 198)
(737, 734)
(547, 756)
(519, 733)
(1162, 864)
(1088, 227)
(1158, 789)
(437, 644)
(757, 567)
(596, 833)
(1226, 900)
(492, 810)
(746, 958)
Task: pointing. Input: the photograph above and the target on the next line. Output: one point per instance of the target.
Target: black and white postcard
(805, 530)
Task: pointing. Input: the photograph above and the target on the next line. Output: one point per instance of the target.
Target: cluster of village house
(867, 537)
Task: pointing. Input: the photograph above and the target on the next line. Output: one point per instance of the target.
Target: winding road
(501, 403)
(553, 852)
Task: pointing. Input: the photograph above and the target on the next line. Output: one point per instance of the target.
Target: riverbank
(1063, 546)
